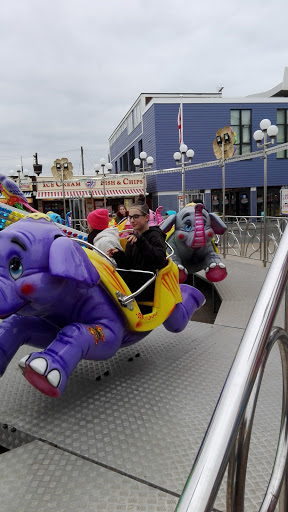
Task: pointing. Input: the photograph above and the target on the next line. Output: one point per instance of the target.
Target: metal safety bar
(228, 435)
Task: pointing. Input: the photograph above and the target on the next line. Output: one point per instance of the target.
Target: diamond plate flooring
(135, 432)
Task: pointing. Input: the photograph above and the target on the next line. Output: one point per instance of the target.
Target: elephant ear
(168, 223)
(68, 260)
(217, 224)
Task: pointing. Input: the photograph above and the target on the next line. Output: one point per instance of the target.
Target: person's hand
(132, 238)
(112, 251)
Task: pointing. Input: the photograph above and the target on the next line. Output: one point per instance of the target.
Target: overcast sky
(70, 69)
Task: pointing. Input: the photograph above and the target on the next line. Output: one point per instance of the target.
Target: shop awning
(58, 194)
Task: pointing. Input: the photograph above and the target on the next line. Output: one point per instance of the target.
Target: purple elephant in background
(51, 298)
(192, 242)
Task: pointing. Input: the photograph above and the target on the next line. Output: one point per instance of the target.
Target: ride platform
(125, 433)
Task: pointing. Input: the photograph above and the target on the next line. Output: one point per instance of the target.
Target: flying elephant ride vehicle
(71, 303)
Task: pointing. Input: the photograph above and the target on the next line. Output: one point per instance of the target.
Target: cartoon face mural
(192, 241)
(51, 298)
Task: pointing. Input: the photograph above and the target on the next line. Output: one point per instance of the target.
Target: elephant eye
(188, 226)
(15, 268)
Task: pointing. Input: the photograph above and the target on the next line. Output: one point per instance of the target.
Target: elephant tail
(192, 299)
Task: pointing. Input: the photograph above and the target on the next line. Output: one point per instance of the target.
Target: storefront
(84, 194)
(237, 201)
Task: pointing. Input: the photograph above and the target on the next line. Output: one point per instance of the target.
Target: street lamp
(179, 158)
(106, 168)
(267, 130)
(140, 164)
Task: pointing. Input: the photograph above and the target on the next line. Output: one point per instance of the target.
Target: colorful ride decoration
(227, 137)
(69, 303)
(192, 241)
(14, 196)
(58, 219)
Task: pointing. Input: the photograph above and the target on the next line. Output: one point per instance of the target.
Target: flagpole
(181, 141)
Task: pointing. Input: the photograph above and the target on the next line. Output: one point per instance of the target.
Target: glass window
(282, 123)
(241, 126)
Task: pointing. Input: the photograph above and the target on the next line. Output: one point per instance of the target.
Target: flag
(180, 127)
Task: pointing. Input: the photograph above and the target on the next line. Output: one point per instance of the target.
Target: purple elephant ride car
(71, 303)
(192, 242)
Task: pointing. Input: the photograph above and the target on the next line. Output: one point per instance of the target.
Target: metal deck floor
(127, 442)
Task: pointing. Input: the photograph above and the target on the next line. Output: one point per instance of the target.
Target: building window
(241, 126)
(125, 162)
(282, 123)
(140, 146)
(116, 167)
(131, 155)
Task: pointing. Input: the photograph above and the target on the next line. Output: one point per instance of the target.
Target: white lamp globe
(190, 153)
(272, 131)
(143, 155)
(11, 173)
(102, 161)
(18, 168)
(137, 162)
(109, 166)
(258, 135)
(26, 173)
(177, 156)
(264, 124)
(183, 148)
(150, 160)
(96, 167)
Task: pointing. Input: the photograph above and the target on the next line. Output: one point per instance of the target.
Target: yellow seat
(166, 295)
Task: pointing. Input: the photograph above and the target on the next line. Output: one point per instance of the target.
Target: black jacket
(148, 253)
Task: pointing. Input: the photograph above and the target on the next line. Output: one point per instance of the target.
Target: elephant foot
(215, 273)
(40, 373)
(183, 273)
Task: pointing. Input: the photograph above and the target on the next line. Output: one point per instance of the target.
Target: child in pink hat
(100, 235)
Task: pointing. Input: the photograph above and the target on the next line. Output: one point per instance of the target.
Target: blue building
(151, 125)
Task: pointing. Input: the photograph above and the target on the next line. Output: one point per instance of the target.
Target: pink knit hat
(98, 219)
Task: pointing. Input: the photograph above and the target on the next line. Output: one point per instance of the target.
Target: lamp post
(106, 168)
(140, 163)
(63, 166)
(267, 129)
(179, 158)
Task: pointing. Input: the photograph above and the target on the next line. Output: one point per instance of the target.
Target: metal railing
(245, 236)
(228, 435)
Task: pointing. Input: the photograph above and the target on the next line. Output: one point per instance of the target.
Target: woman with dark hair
(146, 248)
(121, 213)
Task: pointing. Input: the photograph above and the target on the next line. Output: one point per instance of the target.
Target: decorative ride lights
(106, 168)
(179, 158)
(140, 164)
(267, 129)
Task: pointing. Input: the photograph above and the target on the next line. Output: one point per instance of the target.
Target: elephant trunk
(199, 237)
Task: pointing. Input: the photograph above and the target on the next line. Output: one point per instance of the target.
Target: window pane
(246, 148)
(246, 117)
(237, 152)
(281, 154)
(281, 134)
(235, 117)
(236, 130)
(280, 116)
(245, 135)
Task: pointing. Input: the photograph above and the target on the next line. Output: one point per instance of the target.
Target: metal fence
(227, 439)
(245, 236)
